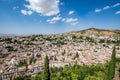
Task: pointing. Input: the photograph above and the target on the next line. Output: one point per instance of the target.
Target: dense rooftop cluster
(87, 47)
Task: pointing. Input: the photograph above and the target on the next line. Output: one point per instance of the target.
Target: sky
(57, 16)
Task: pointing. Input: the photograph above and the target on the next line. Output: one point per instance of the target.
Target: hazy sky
(57, 16)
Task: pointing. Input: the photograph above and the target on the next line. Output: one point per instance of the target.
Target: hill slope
(96, 32)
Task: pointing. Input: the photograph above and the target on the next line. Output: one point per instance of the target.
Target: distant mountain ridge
(96, 32)
(85, 32)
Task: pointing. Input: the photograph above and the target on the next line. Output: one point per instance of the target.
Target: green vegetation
(118, 67)
(102, 41)
(77, 72)
(117, 59)
(23, 78)
(9, 48)
(77, 55)
(8, 40)
(38, 55)
(46, 69)
(89, 39)
(111, 67)
(22, 63)
(94, 72)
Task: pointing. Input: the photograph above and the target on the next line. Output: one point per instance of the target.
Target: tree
(77, 55)
(114, 60)
(46, 69)
(9, 48)
(93, 78)
(112, 63)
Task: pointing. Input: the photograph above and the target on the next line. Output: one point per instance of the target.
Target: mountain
(95, 32)
(86, 32)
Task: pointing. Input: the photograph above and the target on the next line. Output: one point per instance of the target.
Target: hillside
(86, 32)
(96, 32)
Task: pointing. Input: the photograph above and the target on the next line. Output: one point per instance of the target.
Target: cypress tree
(46, 69)
(112, 63)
